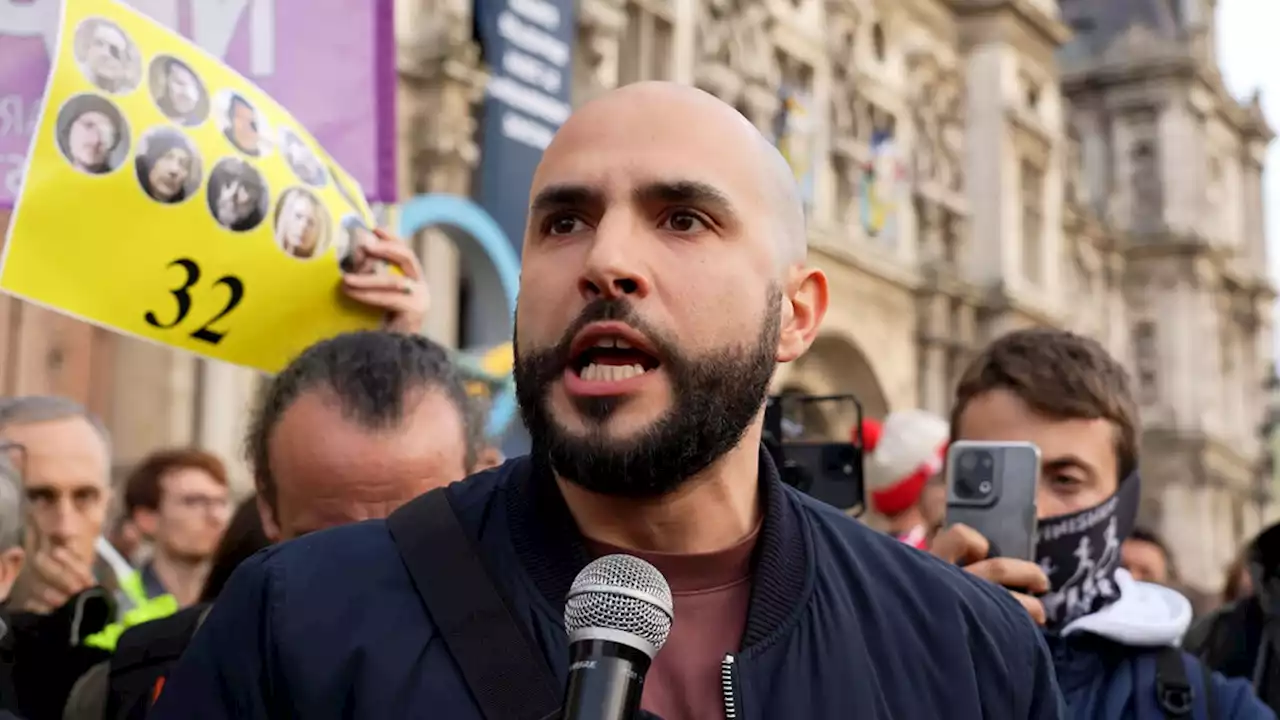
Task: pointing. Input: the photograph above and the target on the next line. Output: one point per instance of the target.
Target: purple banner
(329, 62)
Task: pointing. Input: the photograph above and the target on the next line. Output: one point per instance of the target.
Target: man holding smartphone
(1114, 640)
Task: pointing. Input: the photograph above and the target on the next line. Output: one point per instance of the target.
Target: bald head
(665, 106)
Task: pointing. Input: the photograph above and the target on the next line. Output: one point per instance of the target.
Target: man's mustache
(607, 310)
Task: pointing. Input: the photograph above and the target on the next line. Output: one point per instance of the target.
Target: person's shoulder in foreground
(912, 604)
(301, 622)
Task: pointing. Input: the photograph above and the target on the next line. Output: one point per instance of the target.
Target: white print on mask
(1091, 580)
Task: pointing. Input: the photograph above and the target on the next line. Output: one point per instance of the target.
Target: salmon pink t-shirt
(710, 592)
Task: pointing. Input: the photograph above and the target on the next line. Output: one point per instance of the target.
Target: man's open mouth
(609, 358)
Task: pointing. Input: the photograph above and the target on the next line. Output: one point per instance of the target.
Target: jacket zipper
(729, 687)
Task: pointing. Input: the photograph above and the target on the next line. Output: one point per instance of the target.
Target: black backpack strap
(1210, 696)
(507, 675)
(1173, 689)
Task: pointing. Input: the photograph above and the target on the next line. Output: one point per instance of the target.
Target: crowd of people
(665, 276)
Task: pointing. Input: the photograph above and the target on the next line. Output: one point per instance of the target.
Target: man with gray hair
(11, 557)
(63, 460)
(11, 511)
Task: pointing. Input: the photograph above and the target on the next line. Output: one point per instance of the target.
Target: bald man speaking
(664, 278)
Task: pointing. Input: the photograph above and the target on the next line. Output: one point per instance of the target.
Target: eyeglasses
(203, 503)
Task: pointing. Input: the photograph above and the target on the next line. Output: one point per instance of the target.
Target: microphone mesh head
(617, 596)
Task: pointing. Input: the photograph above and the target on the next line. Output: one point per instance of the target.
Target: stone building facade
(971, 166)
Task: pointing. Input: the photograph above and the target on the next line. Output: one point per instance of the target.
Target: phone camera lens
(975, 475)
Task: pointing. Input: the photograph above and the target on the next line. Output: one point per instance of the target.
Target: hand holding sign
(169, 198)
(403, 296)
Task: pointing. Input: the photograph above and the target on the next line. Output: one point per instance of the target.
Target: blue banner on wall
(528, 47)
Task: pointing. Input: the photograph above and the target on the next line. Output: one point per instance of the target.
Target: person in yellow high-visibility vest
(131, 596)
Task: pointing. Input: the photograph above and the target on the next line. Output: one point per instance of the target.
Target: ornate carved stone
(442, 61)
(601, 25)
(734, 34)
(938, 116)
(848, 109)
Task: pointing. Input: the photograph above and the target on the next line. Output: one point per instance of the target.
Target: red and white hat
(900, 455)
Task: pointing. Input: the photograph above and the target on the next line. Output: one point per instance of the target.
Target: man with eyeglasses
(107, 56)
(179, 499)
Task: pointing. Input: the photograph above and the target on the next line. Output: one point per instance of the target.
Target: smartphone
(806, 459)
(991, 487)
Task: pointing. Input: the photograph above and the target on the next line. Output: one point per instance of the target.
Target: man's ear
(804, 305)
(267, 515)
(11, 562)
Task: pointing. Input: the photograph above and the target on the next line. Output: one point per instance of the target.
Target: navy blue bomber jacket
(843, 621)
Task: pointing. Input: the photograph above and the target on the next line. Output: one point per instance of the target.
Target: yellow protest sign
(169, 198)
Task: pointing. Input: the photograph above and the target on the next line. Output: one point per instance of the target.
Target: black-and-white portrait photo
(302, 161)
(107, 56)
(168, 165)
(178, 91)
(237, 195)
(241, 123)
(352, 255)
(92, 134)
(302, 224)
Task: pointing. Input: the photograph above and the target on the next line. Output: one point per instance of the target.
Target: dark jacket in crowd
(49, 655)
(1242, 639)
(1109, 663)
(8, 697)
(1104, 680)
(843, 621)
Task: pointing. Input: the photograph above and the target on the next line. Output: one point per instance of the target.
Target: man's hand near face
(966, 547)
(52, 576)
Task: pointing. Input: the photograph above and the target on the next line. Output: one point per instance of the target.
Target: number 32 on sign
(203, 217)
(182, 294)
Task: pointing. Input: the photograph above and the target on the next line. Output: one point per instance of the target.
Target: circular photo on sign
(168, 165)
(302, 161)
(346, 193)
(178, 91)
(92, 134)
(237, 195)
(241, 123)
(354, 237)
(301, 223)
(107, 56)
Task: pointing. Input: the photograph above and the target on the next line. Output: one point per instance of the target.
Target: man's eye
(1065, 481)
(564, 226)
(684, 222)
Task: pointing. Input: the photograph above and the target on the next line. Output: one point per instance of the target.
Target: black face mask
(1080, 553)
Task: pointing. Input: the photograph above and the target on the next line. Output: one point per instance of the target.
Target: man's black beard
(715, 397)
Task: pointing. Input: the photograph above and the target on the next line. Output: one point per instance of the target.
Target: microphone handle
(606, 680)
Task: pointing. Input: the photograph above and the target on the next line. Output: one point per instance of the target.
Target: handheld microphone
(618, 615)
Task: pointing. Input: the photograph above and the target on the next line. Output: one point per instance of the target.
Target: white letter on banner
(164, 12)
(31, 19)
(214, 24)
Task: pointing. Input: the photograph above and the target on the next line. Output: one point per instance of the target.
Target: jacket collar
(552, 552)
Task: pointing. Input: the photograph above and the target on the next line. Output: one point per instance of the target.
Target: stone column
(440, 84)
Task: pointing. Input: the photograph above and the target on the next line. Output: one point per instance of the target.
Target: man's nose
(64, 523)
(614, 265)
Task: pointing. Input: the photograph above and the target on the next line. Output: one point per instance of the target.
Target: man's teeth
(610, 373)
(612, 342)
